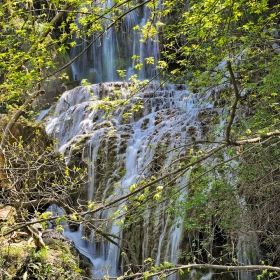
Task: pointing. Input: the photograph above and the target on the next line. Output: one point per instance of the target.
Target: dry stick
(37, 202)
(33, 223)
(234, 105)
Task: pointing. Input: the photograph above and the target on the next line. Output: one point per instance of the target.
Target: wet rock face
(56, 86)
(208, 118)
(56, 240)
(121, 147)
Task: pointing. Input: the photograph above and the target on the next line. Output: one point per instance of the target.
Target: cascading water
(121, 151)
(114, 51)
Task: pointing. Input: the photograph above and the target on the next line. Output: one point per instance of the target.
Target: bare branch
(183, 170)
(272, 134)
(209, 266)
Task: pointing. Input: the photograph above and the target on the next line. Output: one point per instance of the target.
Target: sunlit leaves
(138, 66)
(150, 60)
(157, 196)
(258, 7)
(59, 228)
(121, 73)
(148, 30)
(162, 64)
(132, 187)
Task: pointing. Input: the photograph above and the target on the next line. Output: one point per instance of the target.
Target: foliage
(32, 30)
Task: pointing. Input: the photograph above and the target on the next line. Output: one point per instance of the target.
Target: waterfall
(114, 51)
(123, 148)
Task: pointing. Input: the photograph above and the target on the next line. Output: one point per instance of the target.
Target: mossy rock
(59, 260)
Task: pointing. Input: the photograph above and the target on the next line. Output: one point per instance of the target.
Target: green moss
(57, 244)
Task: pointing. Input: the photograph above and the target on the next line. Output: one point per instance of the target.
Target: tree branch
(37, 202)
(183, 169)
(272, 134)
(234, 105)
(201, 266)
